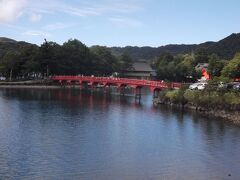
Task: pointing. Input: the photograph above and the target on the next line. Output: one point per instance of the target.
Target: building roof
(140, 74)
(141, 66)
(201, 66)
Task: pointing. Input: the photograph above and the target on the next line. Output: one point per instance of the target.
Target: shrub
(207, 99)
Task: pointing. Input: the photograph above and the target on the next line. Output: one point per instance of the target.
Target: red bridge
(120, 83)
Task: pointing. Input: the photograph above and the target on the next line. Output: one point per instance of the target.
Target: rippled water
(68, 134)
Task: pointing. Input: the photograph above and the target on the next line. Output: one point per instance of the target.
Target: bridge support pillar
(121, 90)
(80, 85)
(91, 87)
(138, 93)
(106, 88)
(63, 84)
(70, 83)
(156, 93)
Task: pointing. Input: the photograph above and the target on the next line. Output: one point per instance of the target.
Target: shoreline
(38, 86)
(232, 117)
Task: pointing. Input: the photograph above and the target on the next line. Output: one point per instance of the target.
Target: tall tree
(165, 66)
(215, 65)
(125, 61)
(232, 69)
(10, 64)
(48, 57)
(106, 62)
(28, 58)
(185, 69)
(75, 58)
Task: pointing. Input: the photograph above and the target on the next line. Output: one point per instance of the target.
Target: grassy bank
(219, 103)
(211, 99)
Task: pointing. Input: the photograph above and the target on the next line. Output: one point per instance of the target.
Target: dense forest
(71, 58)
(181, 68)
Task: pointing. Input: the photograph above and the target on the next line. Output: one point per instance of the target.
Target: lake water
(69, 134)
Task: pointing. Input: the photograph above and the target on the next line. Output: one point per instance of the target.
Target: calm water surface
(68, 134)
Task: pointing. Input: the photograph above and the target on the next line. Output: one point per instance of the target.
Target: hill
(7, 44)
(6, 40)
(225, 48)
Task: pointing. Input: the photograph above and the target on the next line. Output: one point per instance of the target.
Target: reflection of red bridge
(121, 83)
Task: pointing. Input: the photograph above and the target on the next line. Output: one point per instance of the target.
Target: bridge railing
(115, 80)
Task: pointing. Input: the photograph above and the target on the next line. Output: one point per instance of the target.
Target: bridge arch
(136, 84)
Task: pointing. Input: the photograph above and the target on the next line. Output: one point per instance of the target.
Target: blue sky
(120, 22)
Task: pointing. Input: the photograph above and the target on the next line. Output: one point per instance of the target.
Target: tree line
(71, 58)
(74, 58)
(181, 68)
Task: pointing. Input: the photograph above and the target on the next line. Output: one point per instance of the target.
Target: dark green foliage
(148, 53)
(208, 99)
(175, 68)
(215, 65)
(22, 60)
(105, 62)
(213, 99)
(225, 49)
(201, 56)
(10, 64)
(125, 61)
(72, 58)
(28, 58)
(176, 96)
(232, 69)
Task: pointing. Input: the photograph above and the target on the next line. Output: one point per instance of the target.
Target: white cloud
(36, 33)
(56, 26)
(82, 12)
(84, 8)
(10, 10)
(120, 7)
(102, 8)
(35, 17)
(125, 22)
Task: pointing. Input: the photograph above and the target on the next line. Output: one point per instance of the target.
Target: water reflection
(69, 133)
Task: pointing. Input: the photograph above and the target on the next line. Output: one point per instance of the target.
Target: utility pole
(11, 72)
(47, 74)
(47, 71)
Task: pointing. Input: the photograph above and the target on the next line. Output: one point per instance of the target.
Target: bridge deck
(117, 81)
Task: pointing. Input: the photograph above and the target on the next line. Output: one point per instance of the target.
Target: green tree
(48, 56)
(165, 67)
(75, 58)
(125, 61)
(10, 64)
(232, 69)
(185, 69)
(28, 60)
(178, 68)
(104, 60)
(215, 65)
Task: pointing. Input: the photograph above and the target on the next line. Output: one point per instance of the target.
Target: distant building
(140, 70)
(201, 66)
